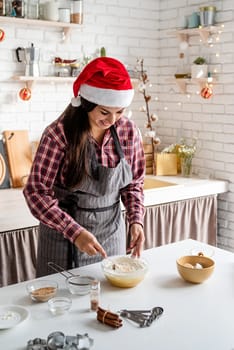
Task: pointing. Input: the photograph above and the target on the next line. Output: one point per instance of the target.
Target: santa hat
(104, 81)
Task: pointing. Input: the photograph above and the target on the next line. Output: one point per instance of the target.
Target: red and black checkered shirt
(49, 169)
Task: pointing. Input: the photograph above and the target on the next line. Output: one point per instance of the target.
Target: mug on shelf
(194, 20)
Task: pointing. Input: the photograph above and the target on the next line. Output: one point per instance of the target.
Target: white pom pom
(75, 101)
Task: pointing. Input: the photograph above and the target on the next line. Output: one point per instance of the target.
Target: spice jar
(94, 295)
(77, 11)
(33, 9)
(2, 8)
(17, 9)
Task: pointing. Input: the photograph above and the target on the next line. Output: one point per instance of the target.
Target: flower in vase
(186, 153)
(185, 150)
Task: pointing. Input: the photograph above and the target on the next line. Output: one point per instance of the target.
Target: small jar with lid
(94, 295)
(77, 11)
(32, 9)
(16, 9)
(2, 7)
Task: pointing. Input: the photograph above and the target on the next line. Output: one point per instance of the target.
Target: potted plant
(199, 68)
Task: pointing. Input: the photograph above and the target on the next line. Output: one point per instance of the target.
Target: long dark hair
(76, 129)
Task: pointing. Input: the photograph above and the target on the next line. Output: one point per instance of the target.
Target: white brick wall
(131, 29)
(209, 120)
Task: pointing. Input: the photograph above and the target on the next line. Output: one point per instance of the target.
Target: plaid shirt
(49, 169)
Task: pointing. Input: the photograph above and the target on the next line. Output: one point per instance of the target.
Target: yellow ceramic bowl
(124, 271)
(195, 269)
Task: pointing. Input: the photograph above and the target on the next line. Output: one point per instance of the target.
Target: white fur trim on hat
(107, 97)
(75, 101)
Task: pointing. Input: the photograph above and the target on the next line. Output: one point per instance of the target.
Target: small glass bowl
(79, 285)
(59, 305)
(42, 290)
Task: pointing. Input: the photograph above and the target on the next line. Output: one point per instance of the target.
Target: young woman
(88, 160)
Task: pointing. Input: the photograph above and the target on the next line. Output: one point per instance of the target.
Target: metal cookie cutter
(37, 344)
(58, 340)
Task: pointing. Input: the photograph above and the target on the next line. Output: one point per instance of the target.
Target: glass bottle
(2, 7)
(94, 295)
(17, 9)
(33, 9)
(183, 70)
(77, 11)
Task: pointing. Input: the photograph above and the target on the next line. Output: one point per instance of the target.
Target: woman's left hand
(137, 239)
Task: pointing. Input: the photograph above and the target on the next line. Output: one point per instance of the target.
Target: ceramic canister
(207, 15)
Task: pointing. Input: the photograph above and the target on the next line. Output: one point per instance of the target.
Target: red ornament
(25, 94)
(206, 92)
(2, 35)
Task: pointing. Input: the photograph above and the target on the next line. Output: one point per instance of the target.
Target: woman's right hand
(87, 243)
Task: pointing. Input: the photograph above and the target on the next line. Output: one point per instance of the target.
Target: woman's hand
(137, 239)
(87, 243)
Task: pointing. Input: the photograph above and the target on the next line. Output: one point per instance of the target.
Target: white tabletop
(195, 316)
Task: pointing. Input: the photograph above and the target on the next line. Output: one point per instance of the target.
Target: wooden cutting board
(19, 155)
(4, 172)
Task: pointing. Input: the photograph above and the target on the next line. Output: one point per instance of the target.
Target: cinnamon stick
(108, 318)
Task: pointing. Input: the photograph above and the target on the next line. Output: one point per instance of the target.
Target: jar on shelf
(16, 9)
(62, 70)
(183, 70)
(32, 9)
(77, 11)
(2, 7)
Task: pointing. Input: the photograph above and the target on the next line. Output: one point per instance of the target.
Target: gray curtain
(195, 218)
(18, 255)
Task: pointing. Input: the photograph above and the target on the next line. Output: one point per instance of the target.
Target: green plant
(200, 60)
(102, 52)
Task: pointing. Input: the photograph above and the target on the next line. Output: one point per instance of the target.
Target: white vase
(199, 71)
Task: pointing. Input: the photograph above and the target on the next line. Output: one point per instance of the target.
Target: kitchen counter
(14, 212)
(195, 316)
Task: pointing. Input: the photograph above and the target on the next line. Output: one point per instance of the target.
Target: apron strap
(116, 141)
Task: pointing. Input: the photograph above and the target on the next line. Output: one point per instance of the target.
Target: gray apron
(95, 205)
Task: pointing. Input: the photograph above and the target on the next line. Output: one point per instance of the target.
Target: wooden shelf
(203, 32)
(66, 27)
(182, 82)
(30, 81)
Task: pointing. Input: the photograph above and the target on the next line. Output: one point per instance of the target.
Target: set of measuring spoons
(142, 317)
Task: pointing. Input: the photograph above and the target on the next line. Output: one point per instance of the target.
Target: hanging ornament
(2, 35)
(206, 92)
(25, 94)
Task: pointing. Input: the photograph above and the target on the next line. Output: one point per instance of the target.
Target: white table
(195, 316)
